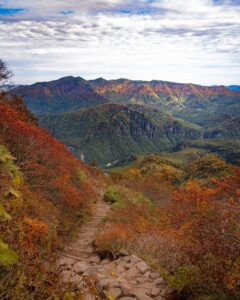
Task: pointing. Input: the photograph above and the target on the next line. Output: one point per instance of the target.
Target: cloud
(188, 41)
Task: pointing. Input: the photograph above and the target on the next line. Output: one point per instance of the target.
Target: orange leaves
(36, 228)
(115, 235)
(36, 233)
(47, 164)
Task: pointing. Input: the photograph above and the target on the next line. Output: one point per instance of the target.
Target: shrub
(112, 195)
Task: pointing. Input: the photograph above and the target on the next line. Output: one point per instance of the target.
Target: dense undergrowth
(46, 194)
(183, 219)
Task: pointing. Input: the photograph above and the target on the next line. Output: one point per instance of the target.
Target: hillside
(111, 132)
(46, 194)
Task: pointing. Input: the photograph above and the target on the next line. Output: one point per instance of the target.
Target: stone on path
(80, 267)
(143, 267)
(123, 252)
(126, 278)
(114, 292)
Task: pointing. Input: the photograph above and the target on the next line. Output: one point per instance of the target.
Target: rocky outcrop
(125, 277)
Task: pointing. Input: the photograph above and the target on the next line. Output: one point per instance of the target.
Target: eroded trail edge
(127, 277)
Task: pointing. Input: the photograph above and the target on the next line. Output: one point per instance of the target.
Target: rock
(140, 295)
(120, 268)
(81, 285)
(65, 261)
(115, 284)
(133, 282)
(159, 281)
(66, 275)
(166, 292)
(153, 275)
(128, 265)
(143, 279)
(95, 259)
(75, 280)
(135, 258)
(103, 283)
(91, 271)
(105, 261)
(143, 267)
(114, 292)
(125, 289)
(123, 252)
(127, 259)
(132, 273)
(80, 268)
(155, 291)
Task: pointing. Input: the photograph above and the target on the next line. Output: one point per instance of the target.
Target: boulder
(65, 261)
(66, 276)
(155, 291)
(91, 271)
(125, 289)
(143, 267)
(132, 273)
(135, 259)
(154, 275)
(120, 268)
(127, 259)
(123, 252)
(80, 268)
(105, 261)
(114, 292)
(95, 259)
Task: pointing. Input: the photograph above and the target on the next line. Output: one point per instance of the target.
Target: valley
(108, 121)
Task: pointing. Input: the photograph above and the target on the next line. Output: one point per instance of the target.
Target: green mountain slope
(113, 131)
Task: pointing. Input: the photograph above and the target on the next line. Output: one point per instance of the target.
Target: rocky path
(127, 277)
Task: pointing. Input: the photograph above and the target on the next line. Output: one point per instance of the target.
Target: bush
(112, 195)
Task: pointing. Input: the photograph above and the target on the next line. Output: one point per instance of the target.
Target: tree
(5, 73)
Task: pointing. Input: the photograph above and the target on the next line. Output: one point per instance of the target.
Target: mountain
(63, 95)
(228, 129)
(73, 93)
(8, 87)
(234, 87)
(113, 120)
(170, 96)
(111, 132)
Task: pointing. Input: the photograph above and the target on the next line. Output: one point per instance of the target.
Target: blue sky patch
(67, 12)
(10, 11)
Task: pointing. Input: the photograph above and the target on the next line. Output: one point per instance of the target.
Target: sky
(195, 41)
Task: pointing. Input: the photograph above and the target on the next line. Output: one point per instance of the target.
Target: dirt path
(82, 248)
(126, 278)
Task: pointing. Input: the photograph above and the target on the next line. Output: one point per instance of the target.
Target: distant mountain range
(234, 87)
(109, 120)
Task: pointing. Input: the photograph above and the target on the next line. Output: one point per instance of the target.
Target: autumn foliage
(193, 239)
(47, 192)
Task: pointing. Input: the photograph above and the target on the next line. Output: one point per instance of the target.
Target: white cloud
(186, 41)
